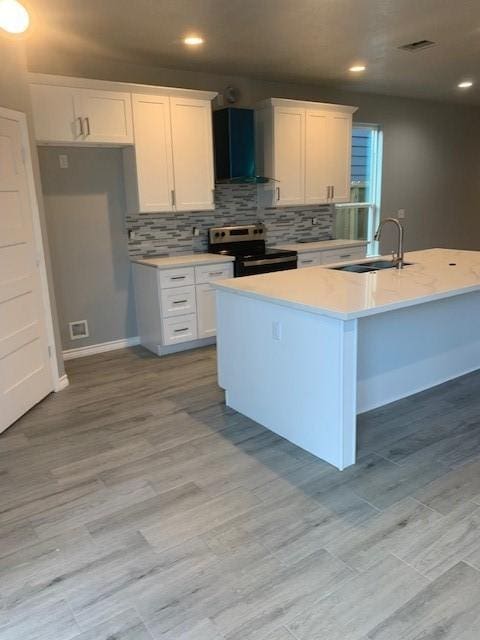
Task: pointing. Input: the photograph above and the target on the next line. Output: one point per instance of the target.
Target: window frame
(375, 191)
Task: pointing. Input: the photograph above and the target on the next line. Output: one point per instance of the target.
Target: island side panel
(406, 351)
(293, 372)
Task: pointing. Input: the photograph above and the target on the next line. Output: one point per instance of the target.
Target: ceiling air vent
(416, 46)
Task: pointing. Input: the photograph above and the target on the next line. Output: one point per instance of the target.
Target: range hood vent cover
(234, 145)
(417, 45)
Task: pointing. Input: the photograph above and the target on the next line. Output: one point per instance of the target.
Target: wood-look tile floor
(135, 505)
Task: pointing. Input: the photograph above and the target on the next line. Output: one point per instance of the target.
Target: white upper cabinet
(289, 155)
(166, 134)
(305, 148)
(64, 114)
(192, 153)
(107, 116)
(317, 156)
(57, 114)
(149, 164)
(340, 156)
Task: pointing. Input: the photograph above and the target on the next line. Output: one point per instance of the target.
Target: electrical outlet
(63, 161)
(131, 234)
(195, 232)
(401, 214)
(314, 220)
(276, 330)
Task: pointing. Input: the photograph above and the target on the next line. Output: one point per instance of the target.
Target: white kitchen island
(304, 351)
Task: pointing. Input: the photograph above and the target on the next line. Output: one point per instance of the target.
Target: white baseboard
(61, 383)
(81, 352)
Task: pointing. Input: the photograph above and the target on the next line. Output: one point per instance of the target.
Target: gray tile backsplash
(167, 233)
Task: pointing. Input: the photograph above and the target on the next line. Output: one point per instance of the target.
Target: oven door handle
(266, 261)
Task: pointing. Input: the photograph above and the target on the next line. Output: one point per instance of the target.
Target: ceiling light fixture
(466, 84)
(14, 17)
(193, 41)
(357, 68)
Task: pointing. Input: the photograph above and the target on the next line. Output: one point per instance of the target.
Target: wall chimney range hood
(234, 146)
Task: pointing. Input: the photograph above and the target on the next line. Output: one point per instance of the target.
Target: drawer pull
(346, 255)
(180, 330)
(215, 273)
(177, 277)
(306, 261)
(179, 301)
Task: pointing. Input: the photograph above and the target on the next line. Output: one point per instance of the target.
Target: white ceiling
(307, 41)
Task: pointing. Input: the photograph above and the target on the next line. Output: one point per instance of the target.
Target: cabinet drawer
(211, 272)
(177, 277)
(178, 301)
(343, 255)
(179, 329)
(309, 259)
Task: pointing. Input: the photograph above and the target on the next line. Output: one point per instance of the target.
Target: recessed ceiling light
(193, 41)
(14, 17)
(466, 84)
(358, 68)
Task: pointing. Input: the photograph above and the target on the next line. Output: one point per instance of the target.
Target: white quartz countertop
(189, 260)
(434, 274)
(323, 245)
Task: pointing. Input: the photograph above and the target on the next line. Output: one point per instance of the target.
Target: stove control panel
(248, 232)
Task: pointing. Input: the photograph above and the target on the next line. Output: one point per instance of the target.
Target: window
(359, 218)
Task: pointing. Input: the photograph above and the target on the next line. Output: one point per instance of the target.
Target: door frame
(59, 382)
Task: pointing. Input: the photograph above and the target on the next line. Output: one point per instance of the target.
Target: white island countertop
(321, 245)
(434, 274)
(188, 260)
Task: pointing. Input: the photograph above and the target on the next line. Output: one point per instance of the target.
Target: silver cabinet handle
(179, 301)
(177, 277)
(180, 330)
(173, 197)
(306, 261)
(278, 194)
(80, 122)
(87, 124)
(346, 255)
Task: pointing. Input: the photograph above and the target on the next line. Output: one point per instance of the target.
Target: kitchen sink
(368, 267)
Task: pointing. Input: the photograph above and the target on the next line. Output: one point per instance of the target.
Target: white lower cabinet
(206, 311)
(332, 256)
(309, 259)
(176, 308)
(181, 329)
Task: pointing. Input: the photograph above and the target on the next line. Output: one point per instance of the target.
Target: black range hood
(234, 146)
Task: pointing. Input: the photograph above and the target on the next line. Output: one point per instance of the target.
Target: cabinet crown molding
(305, 104)
(107, 85)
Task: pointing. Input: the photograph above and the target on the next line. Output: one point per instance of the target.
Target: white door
(340, 155)
(317, 157)
(206, 311)
(56, 113)
(107, 116)
(25, 375)
(153, 153)
(289, 155)
(192, 154)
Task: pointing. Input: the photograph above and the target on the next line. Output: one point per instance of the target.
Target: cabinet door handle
(328, 192)
(306, 261)
(346, 255)
(177, 277)
(173, 197)
(215, 273)
(87, 125)
(80, 122)
(179, 301)
(333, 191)
(180, 330)
(278, 194)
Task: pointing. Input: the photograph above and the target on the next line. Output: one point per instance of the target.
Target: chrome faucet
(399, 258)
